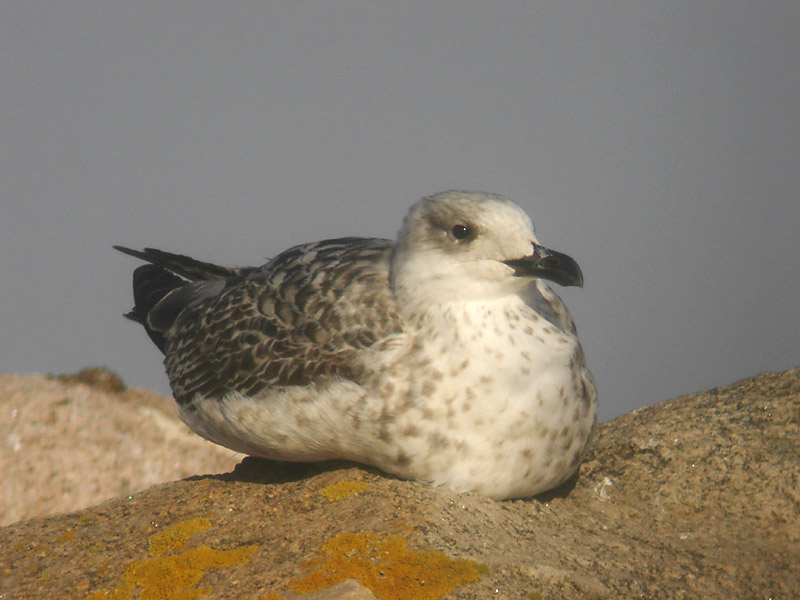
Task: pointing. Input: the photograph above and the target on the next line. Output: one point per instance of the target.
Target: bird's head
(472, 246)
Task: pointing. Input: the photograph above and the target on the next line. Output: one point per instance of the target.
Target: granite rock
(694, 497)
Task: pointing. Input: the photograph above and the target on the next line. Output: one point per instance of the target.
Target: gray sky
(658, 143)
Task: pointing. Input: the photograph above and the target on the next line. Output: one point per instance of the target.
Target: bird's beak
(547, 264)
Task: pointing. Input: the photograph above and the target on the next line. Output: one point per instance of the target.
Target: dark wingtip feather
(164, 273)
(185, 266)
(150, 284)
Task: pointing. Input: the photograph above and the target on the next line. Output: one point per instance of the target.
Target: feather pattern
(305, 314)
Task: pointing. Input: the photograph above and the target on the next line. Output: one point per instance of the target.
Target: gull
(443, 356)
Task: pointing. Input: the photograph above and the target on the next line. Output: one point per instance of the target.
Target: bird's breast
(488, 396)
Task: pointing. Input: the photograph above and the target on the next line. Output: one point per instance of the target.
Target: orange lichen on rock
(67, 536)
(174, 576)
(384, 565)
(175, 536)
(343, 489)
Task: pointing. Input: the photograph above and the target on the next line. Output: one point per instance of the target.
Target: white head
(458, 245)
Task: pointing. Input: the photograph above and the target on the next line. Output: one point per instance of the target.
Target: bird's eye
(461, 232)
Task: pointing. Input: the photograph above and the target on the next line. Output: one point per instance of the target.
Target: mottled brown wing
(305, 314)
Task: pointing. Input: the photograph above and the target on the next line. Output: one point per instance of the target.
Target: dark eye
(461, 232)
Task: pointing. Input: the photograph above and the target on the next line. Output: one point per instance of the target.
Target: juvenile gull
(443, 356)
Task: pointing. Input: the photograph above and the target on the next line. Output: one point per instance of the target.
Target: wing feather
(305, 314)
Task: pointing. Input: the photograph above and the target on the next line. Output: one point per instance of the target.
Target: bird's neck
(453, 317)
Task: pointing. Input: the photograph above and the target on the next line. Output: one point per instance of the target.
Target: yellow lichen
(343, 489)
(175, 536)
(67, 536)
(384, 565)
(172, 576)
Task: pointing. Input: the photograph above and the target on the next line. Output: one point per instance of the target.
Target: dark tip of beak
(548, 264)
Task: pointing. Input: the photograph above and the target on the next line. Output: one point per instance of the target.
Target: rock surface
(72, 441)
(695, 497)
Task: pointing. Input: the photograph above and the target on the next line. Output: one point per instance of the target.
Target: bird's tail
(169, 283)
(185, 266)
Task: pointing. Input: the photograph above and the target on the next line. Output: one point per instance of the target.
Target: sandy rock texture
(72, 441)
(697, 497)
